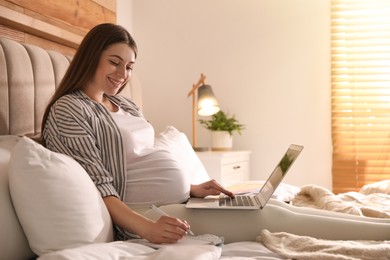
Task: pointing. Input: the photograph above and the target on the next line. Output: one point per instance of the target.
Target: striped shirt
(84, 130)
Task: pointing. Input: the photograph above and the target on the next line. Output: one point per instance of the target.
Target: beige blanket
(303, 247)
(356, 203)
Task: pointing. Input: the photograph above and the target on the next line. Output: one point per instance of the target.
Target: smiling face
(114, 68)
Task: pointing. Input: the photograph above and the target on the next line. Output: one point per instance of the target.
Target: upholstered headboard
(28, 77)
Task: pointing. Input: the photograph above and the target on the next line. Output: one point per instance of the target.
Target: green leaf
(222, 122)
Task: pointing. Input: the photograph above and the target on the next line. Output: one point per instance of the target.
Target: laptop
(251, 201)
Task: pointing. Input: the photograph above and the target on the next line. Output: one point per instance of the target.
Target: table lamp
(207, 105)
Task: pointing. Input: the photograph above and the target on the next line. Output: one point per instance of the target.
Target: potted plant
(222, 127)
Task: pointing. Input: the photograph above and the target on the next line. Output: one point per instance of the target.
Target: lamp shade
(207, 103)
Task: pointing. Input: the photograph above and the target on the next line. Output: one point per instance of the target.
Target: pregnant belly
(156, 178)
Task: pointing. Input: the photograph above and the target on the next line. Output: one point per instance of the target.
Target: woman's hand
(166, 230)
(208, 188)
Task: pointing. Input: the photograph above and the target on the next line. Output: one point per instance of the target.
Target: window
(360, 58)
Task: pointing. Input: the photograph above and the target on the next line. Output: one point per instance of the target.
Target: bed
(40, 216)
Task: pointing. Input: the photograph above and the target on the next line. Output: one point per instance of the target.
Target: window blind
(360, 60)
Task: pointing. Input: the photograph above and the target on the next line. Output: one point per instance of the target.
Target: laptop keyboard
(236, 201)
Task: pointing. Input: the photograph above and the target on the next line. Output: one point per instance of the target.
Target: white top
(153, 175)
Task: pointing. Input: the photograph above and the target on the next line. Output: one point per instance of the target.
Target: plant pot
(221, 141)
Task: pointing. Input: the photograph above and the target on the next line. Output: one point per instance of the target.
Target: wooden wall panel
(53, 24)
(83, 14)
(10, 33)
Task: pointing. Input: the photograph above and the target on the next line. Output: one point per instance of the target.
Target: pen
(162, 213)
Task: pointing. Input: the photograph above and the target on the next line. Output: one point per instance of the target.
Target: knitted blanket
(303, 247)
(375, 205)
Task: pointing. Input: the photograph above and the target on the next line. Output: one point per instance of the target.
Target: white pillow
(177, 143)
(13, 241)
(56, 202)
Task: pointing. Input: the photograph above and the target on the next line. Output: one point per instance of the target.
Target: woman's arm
(165, 230)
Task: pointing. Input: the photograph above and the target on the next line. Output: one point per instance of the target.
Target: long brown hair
(84, 63)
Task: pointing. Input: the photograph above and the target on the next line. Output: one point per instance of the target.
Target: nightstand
(226, 167)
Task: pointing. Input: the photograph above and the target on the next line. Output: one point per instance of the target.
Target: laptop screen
(278, 173)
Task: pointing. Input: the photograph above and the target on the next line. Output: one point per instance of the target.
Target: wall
(267, 61)
(124, 14)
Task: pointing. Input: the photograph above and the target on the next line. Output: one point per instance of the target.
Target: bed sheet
(283, 246)
(128, 250)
